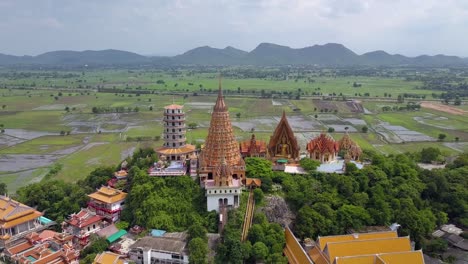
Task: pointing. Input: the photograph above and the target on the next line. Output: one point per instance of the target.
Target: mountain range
(265, 54)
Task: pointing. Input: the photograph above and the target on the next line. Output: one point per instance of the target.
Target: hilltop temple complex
(221, 167)
(283, 144)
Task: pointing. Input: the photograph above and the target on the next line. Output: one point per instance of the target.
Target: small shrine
(349, 149)
(253, 148)
(283, 144)
(323, 148)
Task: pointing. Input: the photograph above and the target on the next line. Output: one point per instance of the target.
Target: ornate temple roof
(349, 146)
(323, 143)
(253, 146)
(284, 129)
(220, 142)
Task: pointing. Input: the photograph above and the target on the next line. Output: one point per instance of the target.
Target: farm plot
(263, 124)
(300, 123)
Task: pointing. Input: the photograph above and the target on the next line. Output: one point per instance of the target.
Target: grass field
(41, 108)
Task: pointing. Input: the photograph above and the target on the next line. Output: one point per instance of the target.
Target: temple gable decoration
(323, 148)
(283, 143)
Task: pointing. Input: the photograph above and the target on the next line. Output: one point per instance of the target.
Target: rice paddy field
(48, 118)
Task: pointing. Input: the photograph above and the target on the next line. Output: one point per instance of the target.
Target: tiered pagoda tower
(220, 144)
(283, 144)
(222, 169)
(175, 143)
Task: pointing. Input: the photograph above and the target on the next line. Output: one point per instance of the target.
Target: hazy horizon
(168, 28)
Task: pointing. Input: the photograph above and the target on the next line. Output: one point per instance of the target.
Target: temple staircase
(249, 212)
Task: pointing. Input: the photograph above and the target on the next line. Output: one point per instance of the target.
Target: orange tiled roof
(84, 218)
(108, 258)
(108, 195)
(366, 247)
(368, 259)
(174, 106)
(323, 143)
(317, 256)
(413, 257)
(259, 146)
(253, 181)
(322, 241)
(13, 213)
(176, 151)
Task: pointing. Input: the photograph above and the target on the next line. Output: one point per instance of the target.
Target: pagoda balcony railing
(175, 133)
(173, 114)
(103, 208)
(177, 140)
(170, 119)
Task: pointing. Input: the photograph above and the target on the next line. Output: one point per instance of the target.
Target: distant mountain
(211, 56)
(331, 54)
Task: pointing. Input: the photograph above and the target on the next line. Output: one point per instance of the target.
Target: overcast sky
(170, 27)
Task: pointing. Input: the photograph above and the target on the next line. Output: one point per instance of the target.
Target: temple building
(175, 143)
(349, 149)
(253, 148)
(221, 168)
(283, 144)
(45, 247)
(82, 225)
(323, 148)
(176, 157)
(17, 220)
(364, 248)
(107, 202)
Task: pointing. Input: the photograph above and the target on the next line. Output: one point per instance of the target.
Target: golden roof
(108, 258)
(413, 257)
(317, 256)
(368, 259)
(322, 241)
(366, 247)
(176, 151)
(13, 213)
(108, 195)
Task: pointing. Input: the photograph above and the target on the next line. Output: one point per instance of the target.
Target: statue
(284, 151)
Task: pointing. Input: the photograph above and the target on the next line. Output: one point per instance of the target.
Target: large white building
(170, 248)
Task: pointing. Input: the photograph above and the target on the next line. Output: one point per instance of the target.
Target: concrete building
(171, 248)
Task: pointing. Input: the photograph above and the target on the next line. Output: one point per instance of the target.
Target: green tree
(430, 154)
(351, 216)
(260, 251)
(197, 231)
(442, 136)
(238, 115)
(331, 130)
(3, 188)
(364, 129)
(198, 248)
(309, 164)
(258, 195)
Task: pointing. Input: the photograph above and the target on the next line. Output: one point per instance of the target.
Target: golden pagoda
(221, 145)
(283, 143)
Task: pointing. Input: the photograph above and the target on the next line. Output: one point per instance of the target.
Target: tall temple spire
(221, 145)
(220, 104)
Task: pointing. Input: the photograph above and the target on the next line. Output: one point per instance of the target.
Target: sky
(171, 27)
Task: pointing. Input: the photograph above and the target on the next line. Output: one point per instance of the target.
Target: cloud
(409, 27)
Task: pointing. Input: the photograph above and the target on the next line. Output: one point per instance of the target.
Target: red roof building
(83, 224)
(323, 148)
(253, 148)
